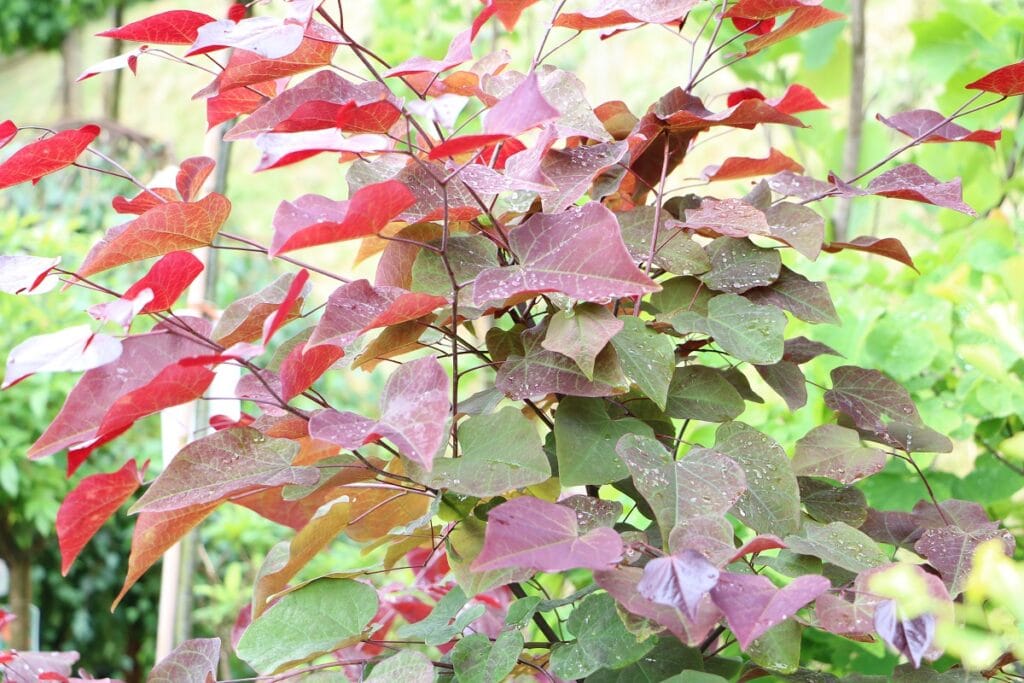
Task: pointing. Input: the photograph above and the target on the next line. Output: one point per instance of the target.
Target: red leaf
(1007, 81)
(192, 173)
(176, 27)
(797, 99)
(237, 11)
(534, 534)
(90, 505)
(22, 274)
(373, 117)
(312, 219)
(766, 9)
(71, 350)
(285, 311)
(42, 157)
(168, 278)
(358, 307)
(79, 454)
(415, 408)
(281, 149)
(309, 55)
(173, 385)
(244, 319)
(269, 37)
(918, 122)
(753, 27)
(913, 183)
(142, 358)
(301, 368)
(508, 11)
(228, 104)
(683, 112)
(578, 252)
(168, 227)
(7, 132)
(803, 19)
(127, 60)
(609, 13)
(889, 247)
(144, 201)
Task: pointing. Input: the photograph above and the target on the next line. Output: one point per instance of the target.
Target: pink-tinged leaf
(932, 126)
(422, 178)
(168, 278)
(8, 130)
(578, 252)
(609, 13)
(534, 534)
(900, 529)
(766, 9)
(752, 604)
(85, 509)
(909, 637)
(29, 667)
(174, 385)
(192, 174)
(415, 406)
(372, 117)
(800, 227)
(459, 51)
(173, 226)
(269, 37)
(284, 311)
(1007, 81)
(25, 274)
(728, 217)
(312, 219)
(679, 580)
(950, 549)
(243, 320)
(49, 155)
(122, 311)
(309, 55)
(71, 350)
(889, 247)
(802, 19)
(564, 91)
(581, 333)
(6, 618)
(194, 661)
(683, 112)
(964, 514)
(281, 149)
(302, 367)
(144, 201)
(571, 171)
(142, 358)
(836, 452)
(621, 583)
(913, 183)
(127, 60)
(222, 465)
(792, 185)
(176, 27)
(227, 104)
(154, 533)
(358, 307)
(539, 372)
(734, 168)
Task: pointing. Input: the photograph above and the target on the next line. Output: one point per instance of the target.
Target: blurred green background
(953, 333)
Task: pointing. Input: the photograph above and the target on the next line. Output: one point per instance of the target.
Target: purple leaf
(26, 667)
(539, 372)
(679, 580)
(895, 528)
(581, 333)
(913, 183)
(791, 184)
(621, 583)
(414, 415)
(578, 252)
(565, 92)
(71, 350)
(788, 382)
(727, 218)
(836, 452)
(950, 550)
(807, 300)
(889, 247)
(917, 122)
(965, 514)
(752, 604)
(909, 637)
(572, 170)
(801, 227)
(194, 661)
(532, 533)
(25, 274)
(221, 465)
(800, 350)
(592, 513)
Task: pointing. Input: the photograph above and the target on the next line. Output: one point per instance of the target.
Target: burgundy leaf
(313, 219)
(735, 168)
(414, 412)
(801, 227)
(909, 637)
(269, 37)
(836, 452)
(913, 183)
(358, 307)
(71, 350)
(681, 580)
(801, 350)
(965, 514)
(1007, 81)
(194, 661)
(531, 533)
(807, 300)
(571, 171)
(175, 27)
(895, 528)
(168, 278)
(25, 274)
(752, 604)
(727, 217)
(758, 544)
(221, 465)
(85, 509)
(950, 550)
(932, 126)
(49, 155)
(795, 100)
(889, 247)
(787, 380)
(793, 185)
(578, 252)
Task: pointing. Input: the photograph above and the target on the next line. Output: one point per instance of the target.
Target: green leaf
(771, 503)
(581, 333)
(738, 265)
(322, 616)
(779, 648)
(602, 640)
(647, 357)
(745, 330)
(521, 611)
(445, 621)
(468, 256)
(668, 657)
(827, 503)
(477, 660)
(675, 252)
(500, 452)
(702, 393)
(585, 438)
(839, 544)
(408, 666)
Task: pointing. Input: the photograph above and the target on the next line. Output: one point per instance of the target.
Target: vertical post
(855, 120)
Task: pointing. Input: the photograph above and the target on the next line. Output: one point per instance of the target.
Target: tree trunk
(855, 122)
(71, 67)
(112, 94)
(20, 566)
